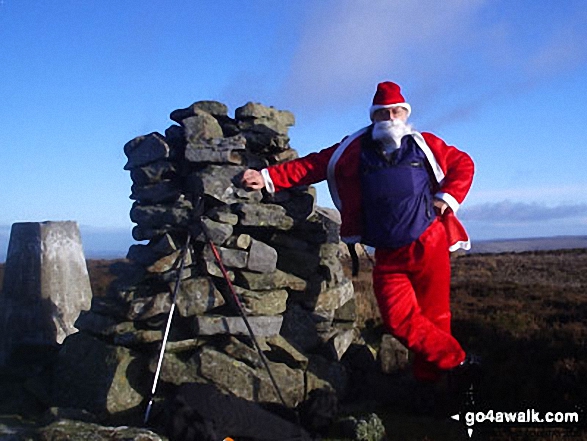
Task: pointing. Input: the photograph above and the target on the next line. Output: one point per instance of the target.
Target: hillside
(525, 313)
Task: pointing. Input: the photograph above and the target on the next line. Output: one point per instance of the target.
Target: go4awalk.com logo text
(569, 421)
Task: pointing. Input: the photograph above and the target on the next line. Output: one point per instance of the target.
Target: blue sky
(505, 81)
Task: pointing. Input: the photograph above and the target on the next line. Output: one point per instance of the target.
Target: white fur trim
(461, 245)
(449, 199)
(375, 107)
(269, 186)
(438, 173)
(331, 179)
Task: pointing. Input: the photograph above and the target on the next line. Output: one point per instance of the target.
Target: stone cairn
(281, 252)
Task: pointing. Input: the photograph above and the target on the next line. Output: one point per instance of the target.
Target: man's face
(390, 113)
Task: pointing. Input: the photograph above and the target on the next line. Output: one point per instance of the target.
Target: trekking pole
(168, 327)
(244, 317)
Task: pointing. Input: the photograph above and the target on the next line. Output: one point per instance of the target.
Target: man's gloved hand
(253, 180)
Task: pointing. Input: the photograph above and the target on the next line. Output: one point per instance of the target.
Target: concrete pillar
(46, 285)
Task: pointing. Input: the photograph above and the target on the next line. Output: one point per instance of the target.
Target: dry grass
(524, 313)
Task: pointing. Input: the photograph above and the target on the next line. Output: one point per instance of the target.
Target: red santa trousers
(412, 286)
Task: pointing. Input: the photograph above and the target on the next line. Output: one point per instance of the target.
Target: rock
(46, 285)
(147, 307)
(251, 384)
(301, 263)
(392, 355)
(263, 326)
(242, 241)
(263, 302)
(97, 324)
(282, 351)
(243, 352)
(176, 369)
(334, 298)
(347, 312)
(172, 261)
(200, 127)
(100, 378)
(146, 149)
(164, 245)
(175, 136)
(263, 215)
(222, 214)
(65, 430)
(218, 150)
(230, 257)
(164, 191)
(213, 269)
(263, 140)
(197, 296)
(153, 173)
(262, 258)
(222, 184)
(299, 329)
(155, 216)
(325, 224)
(256, 111)
(286, 240)
(214, 108)
(282, 156)
(268, 281)
(322, 371)
(338, 344)
(148, 233)
(217, 232)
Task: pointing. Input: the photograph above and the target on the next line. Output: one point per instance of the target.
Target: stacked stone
(281, 253)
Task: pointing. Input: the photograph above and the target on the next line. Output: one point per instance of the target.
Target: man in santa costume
(397, 190)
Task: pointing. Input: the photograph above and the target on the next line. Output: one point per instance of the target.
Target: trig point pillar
(46, 285)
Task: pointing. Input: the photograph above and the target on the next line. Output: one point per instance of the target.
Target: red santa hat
(388, 95)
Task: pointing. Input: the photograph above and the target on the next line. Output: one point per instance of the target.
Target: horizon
(113, 243)
(507, 85)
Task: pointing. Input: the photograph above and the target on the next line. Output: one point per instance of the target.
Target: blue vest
(397, 200)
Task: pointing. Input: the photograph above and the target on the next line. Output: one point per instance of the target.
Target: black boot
(463, 383)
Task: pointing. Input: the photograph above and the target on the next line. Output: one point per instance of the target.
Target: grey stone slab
(46, 285)
(334, 298)
(221, 183)
(156, 216)
(201, 126)
(144, 150)
(231, 258)
(239, 378)
(214, 108)
(262, 257)
(264, 326)
(268, 281)
(263, 215)
(164, 191)
(153, 173)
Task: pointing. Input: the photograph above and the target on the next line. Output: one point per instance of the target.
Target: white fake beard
(390, 132)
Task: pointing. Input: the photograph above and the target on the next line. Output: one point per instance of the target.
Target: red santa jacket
(339, 165)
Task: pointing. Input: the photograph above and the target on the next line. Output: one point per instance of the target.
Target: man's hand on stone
(253, 180)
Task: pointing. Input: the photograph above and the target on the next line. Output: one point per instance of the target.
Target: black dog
(201, 412)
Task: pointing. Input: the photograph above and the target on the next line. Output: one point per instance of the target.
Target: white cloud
(348, 46)
(449, 56)
(507, 212)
